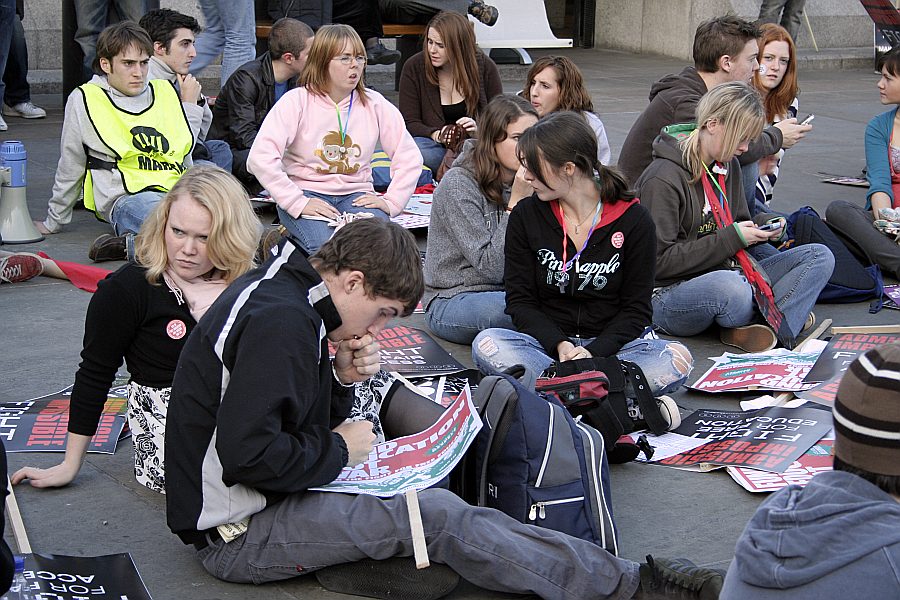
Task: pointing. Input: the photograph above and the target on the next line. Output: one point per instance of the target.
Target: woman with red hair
(776, 82)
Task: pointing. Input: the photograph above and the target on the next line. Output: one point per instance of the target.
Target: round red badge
(176, 329)
(618, 238)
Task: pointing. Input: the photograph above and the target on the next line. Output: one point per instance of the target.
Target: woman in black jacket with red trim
(580, 256)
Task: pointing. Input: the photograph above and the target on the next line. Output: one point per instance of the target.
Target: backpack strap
(646, 401)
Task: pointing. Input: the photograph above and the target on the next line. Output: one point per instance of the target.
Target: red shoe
(19, 267)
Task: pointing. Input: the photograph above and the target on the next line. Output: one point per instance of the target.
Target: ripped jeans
(495, 350)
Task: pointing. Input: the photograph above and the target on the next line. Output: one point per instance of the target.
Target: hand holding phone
(808, 119)
(771, 226)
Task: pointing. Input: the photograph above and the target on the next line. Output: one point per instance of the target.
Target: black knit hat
(867, 412)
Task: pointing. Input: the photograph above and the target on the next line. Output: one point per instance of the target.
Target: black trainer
(679, 578)
(392, 579)
(379, 55)
(485, 13)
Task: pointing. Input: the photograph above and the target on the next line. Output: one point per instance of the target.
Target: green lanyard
(341, 127)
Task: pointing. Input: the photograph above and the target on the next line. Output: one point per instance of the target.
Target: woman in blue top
(883, 172)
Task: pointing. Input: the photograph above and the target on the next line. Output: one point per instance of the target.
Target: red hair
(777, 101)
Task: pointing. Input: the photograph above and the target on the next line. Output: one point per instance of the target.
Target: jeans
(855, 223)
(129, 211)
(310, 233)
(219, 154)
(496, 350)
(15, 77)
(229, 29)
(7, 18)
(91, 19)
(749, 175)
(311, 530)
(771, 12)
(460, 318)
(432, 153)
(725, 298)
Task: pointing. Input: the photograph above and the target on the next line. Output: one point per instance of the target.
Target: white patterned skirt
(147, 408)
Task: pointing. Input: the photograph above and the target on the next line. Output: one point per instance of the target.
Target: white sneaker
(26, 110)
(3, 125)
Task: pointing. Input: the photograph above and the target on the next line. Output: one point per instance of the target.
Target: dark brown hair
(288, 35)
(890, 61)
(117, 38)
(161, 24)
(385, 253)
(573, 95)
(458, 38)
(718, 37)
(565, 137)
(497, 115)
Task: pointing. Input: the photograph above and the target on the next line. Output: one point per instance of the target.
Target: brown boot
(108, 247)
(750, 338)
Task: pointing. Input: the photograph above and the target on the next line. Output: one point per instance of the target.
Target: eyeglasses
(346, 59)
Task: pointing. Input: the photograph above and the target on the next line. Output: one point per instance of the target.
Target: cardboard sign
(413, 353)
(777, 370)
(843, 350)
(815, 460)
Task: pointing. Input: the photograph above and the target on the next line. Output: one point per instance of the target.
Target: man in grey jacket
(124, 142)
(173, 35)
(839, 537)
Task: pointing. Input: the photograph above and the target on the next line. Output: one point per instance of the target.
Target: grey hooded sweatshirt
(839, 537)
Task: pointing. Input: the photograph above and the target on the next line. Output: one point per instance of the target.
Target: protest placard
(769, 439)
(57, 577)
(444, 389)
(892, 296)
(777, 370)
(412, 352)
(417, 461)
(815, 460)
(41, 424)
(843, 350)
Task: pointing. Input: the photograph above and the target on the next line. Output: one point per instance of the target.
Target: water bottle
(20, 589)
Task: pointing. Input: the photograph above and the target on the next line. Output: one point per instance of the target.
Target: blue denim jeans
(15, 77)
(7, 19)
(229, 29)
(726, 299)
(312, 530)
(310, 233)
(496, 350)
(460, 318)
(91, 19)
(432, 153)
(129, 211)
(219, 154)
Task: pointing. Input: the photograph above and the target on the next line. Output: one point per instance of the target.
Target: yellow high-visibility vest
(149, 146)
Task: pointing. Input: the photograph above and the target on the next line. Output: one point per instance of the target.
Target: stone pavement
(659, 510)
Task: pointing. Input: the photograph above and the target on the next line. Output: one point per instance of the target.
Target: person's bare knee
(681, 357)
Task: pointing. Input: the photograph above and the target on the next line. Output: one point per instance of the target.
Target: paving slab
(659, 510)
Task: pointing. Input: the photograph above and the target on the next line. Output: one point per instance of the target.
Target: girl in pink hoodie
(314, 148)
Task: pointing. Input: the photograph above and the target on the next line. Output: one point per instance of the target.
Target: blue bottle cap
(20, 563)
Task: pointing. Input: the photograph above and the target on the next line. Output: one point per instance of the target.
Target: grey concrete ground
(658, 510)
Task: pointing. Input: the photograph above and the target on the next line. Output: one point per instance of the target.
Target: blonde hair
(738, 108)
(329, 40)
(233, 236)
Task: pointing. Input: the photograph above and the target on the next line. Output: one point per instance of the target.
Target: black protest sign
(57, 577)
(769, 439)
(843, 350)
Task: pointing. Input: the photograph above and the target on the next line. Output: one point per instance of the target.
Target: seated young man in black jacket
(250, 92)
(258, 415)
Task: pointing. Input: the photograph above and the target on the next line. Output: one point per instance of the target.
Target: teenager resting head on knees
(448, 83)
(314, 149)
(693, 190)
(883, 173)
(555, 83)
(199, 238)
(776, 82)
(464, 259)
(579, 265)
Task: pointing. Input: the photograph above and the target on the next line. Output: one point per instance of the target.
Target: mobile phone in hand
(774, 225)
(808, 119)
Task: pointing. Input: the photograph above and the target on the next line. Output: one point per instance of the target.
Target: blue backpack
(541, 466)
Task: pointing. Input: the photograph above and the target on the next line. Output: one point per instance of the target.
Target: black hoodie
(674, 99)
(607, 297)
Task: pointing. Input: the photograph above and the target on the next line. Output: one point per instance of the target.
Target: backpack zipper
(546, 459)
(537, 509)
